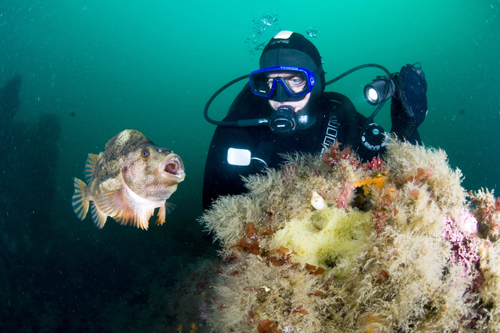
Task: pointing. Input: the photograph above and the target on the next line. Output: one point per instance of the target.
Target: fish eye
(144, 153)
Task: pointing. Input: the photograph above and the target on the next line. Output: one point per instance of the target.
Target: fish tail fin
(80, 205)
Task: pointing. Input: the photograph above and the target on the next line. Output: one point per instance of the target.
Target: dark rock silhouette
(9, 99)
(28, 162)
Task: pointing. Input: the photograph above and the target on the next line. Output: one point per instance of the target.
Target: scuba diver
(284, 109)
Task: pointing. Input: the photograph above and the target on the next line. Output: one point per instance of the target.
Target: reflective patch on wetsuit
(240, 157)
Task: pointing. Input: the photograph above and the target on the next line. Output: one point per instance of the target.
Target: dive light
(381, 89)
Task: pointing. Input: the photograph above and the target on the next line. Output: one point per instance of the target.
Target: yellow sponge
(327, 237)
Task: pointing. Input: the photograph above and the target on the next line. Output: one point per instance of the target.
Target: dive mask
(295, 80)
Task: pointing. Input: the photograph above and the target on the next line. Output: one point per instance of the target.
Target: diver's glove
(409, 103)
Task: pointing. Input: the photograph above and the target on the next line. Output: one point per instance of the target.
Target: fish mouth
(172, 166)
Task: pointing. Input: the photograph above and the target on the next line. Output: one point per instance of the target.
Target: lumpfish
(128, 181)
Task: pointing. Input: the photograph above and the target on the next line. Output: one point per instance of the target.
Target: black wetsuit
(339, 121)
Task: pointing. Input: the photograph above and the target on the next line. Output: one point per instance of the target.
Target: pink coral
(204, 311)
(461, 235)
(377, 164)
(343, 198)
(380, 220)
(467, 222)
(335, 155)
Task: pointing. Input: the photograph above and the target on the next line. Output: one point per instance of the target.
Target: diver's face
(298, 105)
(294, 82)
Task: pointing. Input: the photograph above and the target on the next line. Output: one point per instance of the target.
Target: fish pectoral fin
(98, 216)
(89, 166)
(169, 207)
(79, 202)
(124, 209)
(166, 208)
(111, 203)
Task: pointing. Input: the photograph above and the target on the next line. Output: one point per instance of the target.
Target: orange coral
(252, 247)
(300, 310)
(316, 293)
(313, 270)
(282, 258)
(421, 176)
(251, 232)
(377, 181)
(266, 326)
(269, 232)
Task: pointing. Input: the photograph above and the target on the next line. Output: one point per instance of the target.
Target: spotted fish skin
(128, 181)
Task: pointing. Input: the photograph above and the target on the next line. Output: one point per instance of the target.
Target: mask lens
(259, 84)
(295, 82)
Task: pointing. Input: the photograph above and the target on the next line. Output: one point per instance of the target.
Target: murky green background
(152, 66)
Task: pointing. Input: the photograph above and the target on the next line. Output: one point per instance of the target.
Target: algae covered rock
(393, 245)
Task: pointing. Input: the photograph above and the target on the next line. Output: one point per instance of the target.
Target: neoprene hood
(292, 49)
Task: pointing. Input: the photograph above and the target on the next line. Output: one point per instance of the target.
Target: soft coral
(335, 155)
(377, 164)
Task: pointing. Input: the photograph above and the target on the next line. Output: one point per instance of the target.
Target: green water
(152, 66)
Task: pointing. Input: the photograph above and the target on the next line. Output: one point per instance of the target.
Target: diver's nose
(280, 93)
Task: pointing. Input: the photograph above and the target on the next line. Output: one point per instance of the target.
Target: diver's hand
(409, 103)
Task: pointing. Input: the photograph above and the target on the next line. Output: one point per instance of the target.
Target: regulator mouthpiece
(282, 121)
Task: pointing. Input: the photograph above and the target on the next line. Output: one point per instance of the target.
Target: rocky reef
(337, 245)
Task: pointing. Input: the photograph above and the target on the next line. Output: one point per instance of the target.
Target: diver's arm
(221, 178)
(409, 103)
